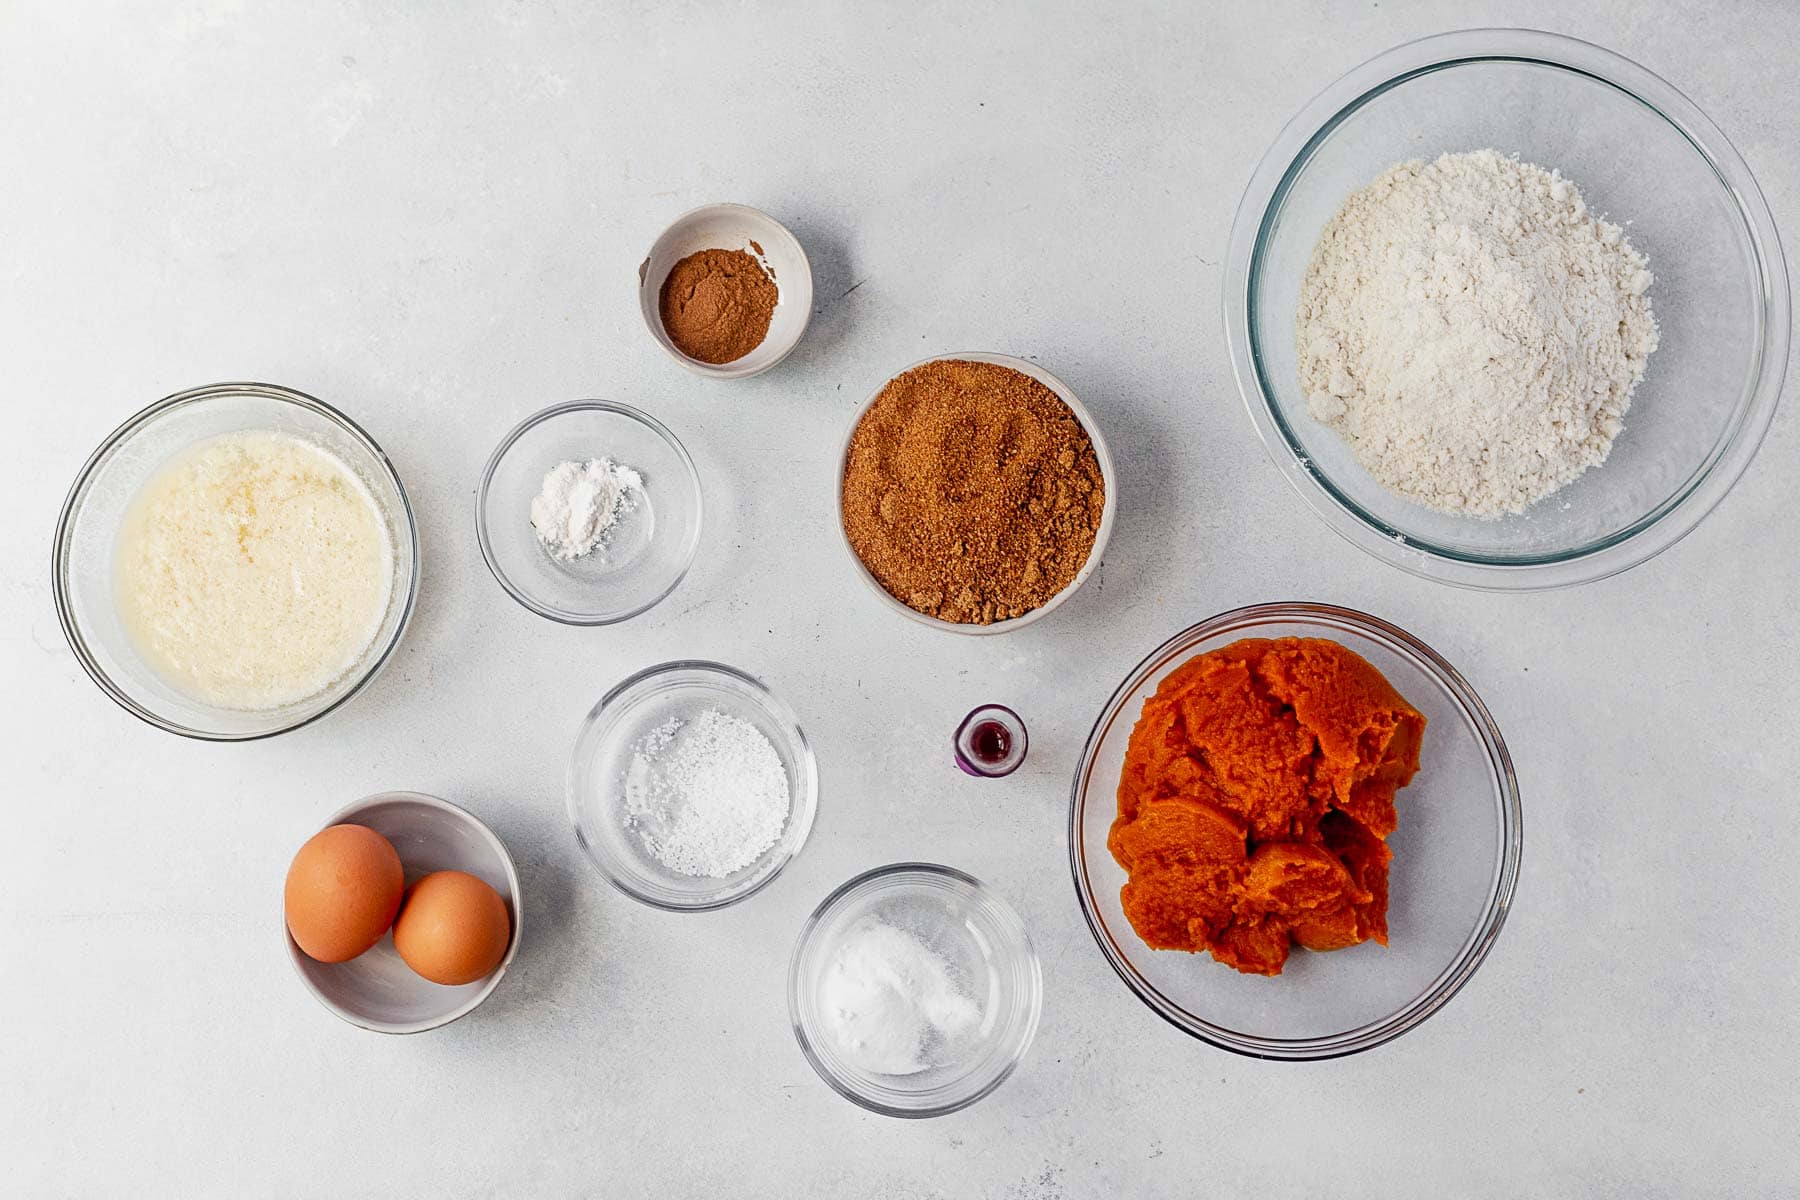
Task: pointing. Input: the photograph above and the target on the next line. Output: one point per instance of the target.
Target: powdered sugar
(1473, 332)
(708, 795)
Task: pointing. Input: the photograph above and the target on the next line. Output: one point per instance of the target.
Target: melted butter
(253, 570)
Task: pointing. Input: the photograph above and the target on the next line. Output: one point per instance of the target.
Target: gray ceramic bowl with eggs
(376, 990)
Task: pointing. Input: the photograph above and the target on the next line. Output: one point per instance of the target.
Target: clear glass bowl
(989, 951)
(615, 728)
(1456, 861)
(646, 554)
(1641, 154)
(88, 529)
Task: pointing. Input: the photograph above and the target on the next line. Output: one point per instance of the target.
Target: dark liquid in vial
(990, 742)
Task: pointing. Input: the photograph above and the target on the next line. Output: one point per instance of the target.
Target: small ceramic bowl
(111, 480)
(1107, 513)
(990, 957)
(646, 553)
(604, 753)
(732, 227)
(377, 990)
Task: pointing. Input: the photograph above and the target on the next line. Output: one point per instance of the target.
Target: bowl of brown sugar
(975, 493)
(726, 290)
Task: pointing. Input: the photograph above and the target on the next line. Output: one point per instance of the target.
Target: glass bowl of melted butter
(235, 561)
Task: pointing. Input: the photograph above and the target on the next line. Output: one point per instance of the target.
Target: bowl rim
(802, 814)
(71, 508)
(1672, 518)
(649, 299)
(1109, 508)
(484, 538)
(1033, 966)
(516, 899)
(1245, 622)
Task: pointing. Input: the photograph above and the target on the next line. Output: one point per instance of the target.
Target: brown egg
(343, 890)
(453, 928)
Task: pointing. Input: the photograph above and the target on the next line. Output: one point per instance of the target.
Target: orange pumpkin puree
(1256, 799)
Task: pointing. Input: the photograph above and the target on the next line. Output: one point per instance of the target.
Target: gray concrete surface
(431, 215)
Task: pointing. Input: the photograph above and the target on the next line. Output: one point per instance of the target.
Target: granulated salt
(708, 795)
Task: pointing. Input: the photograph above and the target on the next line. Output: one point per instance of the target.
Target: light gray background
(430, 214)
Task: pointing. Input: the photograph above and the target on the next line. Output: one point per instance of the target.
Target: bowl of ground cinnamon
(975, 493)
(726, 290)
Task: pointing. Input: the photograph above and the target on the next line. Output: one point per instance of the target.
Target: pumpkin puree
(1256, 799)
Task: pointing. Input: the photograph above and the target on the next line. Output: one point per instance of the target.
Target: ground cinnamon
(716, 305)
(971, 492)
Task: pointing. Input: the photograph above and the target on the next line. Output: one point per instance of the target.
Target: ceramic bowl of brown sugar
(965, 521)
(726, 290)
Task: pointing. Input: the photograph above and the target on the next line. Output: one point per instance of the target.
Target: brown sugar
(971, 492)
(1255, 800)
(716, 305)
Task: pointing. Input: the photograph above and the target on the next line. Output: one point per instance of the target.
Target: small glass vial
(990, 742)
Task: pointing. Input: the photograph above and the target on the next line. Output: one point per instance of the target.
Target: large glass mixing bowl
(1643, 156)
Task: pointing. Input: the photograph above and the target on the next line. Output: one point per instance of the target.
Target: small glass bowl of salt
(691, 786)
(589, 512)
(914, 990)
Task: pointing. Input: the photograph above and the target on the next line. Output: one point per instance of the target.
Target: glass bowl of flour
(1520, 369)
(691, 786)
(914, 990)
(235, 561)
(589, 512)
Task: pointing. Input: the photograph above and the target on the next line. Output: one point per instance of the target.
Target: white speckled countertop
(431, 215)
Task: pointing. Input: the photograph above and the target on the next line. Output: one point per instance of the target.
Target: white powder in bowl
(707, 796)
(1473, 331)
(890, 1002)
(579, 503)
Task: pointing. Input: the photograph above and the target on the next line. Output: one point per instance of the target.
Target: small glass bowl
(1456, 861)
(616, 727)
(988, 949)
(647, 552)
(1108, 511)
(1643, 155)
(87, 532)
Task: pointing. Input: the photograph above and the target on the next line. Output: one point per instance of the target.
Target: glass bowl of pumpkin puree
(1448, 814)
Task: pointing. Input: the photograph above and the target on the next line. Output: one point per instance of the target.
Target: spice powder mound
(716, 305)
(971, 492)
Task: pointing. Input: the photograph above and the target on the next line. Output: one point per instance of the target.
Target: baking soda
(890, 1002)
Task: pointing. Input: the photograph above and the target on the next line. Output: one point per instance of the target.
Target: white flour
(890, 1001)
(1473, 332)
(707, 796)
(579, 503)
